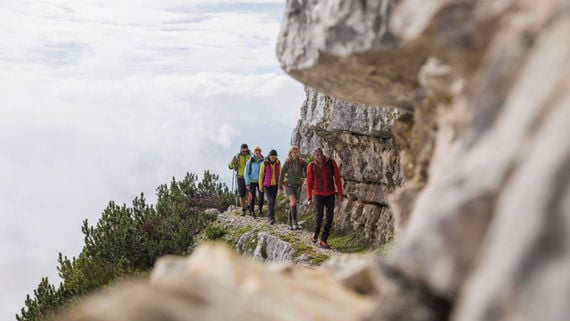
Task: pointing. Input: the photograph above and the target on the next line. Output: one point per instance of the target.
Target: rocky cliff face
(485, 153)
(479, 95)
(360, 138)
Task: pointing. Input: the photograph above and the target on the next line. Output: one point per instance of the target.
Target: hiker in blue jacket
(251, 180)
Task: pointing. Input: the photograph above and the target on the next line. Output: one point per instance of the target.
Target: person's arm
(260, 178)
(277, 172)
(309, 184)
(337, 180)
(232, 164)
(246, 174)
(241, 162)
(283, 171)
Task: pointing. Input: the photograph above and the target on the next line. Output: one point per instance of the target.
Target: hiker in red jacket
(322, 177)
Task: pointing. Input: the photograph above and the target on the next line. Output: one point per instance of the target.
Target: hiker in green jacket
(291, 179)
(238, 165)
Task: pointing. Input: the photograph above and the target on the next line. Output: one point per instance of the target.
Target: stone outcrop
(267, 247)
(360, 138)
(479, 92)
(486, 152)
(217, 284)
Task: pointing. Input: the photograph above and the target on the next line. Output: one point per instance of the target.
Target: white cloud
(102, 100)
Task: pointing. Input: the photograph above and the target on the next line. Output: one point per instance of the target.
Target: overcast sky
(102, 100)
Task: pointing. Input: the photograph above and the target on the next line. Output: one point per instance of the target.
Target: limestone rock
(359, 137)
(482, 91)
(216, 284)
(267, 248)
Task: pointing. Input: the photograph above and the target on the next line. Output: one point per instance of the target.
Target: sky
(103, 100)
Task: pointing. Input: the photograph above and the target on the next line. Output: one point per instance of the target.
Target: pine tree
(127, 240)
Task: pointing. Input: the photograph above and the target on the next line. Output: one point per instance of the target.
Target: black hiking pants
(254, 189)
(322, 202)
(270, 196)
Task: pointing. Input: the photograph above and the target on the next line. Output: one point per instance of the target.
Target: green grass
(344, 241)
(348, 242)
(215, 231)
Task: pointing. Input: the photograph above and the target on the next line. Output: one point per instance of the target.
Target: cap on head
(273, 152)
(244, 146)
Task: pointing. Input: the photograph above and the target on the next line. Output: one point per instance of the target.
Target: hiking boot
(324, 245)
(315, 238)
(294, 217)
(271, 221)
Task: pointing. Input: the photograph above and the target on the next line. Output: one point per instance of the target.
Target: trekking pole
(235, 189)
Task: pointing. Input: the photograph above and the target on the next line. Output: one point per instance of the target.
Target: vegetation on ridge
(127, 240)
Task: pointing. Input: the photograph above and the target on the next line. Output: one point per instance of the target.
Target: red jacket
(321, 179)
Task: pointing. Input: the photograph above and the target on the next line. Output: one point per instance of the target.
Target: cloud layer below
(101, 101)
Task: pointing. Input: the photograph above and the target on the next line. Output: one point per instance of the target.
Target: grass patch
(215, 231)
(315, 257)
(232, 236)
(344, 241)
(348, 242)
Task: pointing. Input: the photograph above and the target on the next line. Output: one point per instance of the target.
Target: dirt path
(232, 219)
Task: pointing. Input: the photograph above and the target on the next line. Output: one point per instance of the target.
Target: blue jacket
(252, 172)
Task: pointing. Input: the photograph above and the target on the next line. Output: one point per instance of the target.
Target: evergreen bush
(127, 240)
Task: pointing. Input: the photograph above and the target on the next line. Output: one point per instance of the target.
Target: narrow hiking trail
(231, 218)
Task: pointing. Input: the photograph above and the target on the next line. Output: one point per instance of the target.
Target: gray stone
(360, 139)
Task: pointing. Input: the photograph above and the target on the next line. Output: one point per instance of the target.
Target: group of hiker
(260, 179)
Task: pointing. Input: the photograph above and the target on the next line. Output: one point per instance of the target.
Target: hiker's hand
(310, 202)
(246, 186)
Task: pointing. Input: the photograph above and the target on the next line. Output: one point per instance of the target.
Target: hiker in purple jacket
(268, 179)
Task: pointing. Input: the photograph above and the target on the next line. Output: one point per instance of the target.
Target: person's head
(273, 155)
(293, 152)
(318, 155)
(257, 151)
(244, 149)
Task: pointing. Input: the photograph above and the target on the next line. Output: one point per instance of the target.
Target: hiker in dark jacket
(268, 179)
(252, 168)
(238, 165)
(292, 178)
(322, 177)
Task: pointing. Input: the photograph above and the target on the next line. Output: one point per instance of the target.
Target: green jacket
(238, 163)
(293, 172)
